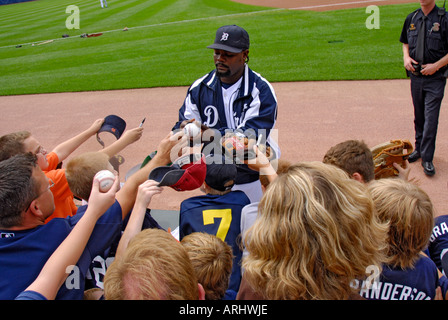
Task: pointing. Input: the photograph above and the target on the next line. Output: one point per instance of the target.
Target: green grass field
(166, 44)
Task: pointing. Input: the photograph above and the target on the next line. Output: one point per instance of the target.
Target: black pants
(427, 94)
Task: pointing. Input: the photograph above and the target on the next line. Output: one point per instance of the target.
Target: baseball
(192, 130)
(106, 180)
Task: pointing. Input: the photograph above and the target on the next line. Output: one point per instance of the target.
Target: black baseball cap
(219, 174)
(231, 38)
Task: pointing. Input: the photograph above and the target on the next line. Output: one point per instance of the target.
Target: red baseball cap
(186, 173)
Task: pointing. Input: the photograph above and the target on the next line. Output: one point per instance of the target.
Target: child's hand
(260, 162)
(403, 172)
(146, 191)
(171, 146)
(96, 125)
(133, 135)
(99, 201)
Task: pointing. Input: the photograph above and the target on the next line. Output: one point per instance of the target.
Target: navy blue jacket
(254, 109)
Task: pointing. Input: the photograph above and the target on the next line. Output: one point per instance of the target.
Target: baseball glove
(385, 154)
(236, 145)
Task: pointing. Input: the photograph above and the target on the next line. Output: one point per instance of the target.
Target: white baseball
(192, 130)
(106, 180)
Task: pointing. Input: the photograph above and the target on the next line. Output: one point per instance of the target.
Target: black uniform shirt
(435, 46)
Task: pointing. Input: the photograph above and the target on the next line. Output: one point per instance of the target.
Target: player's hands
(185, 122)
(99, 201)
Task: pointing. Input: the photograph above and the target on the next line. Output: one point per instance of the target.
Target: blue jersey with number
(220, 216)
(24, 253)
(438, 244)
(417, 283)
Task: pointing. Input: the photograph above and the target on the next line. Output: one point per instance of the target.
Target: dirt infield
(321, 5)
(308, 124)
(374, 111)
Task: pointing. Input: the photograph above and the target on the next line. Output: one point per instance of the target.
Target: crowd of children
(321, 230)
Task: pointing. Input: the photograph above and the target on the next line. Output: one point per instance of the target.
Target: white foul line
(334, 4)
(161, 24)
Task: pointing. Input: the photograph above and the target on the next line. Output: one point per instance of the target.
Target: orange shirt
(63, 196)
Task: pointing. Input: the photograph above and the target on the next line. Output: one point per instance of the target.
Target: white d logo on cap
(224, 36)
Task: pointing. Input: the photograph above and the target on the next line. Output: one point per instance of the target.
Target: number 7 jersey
(219, 215)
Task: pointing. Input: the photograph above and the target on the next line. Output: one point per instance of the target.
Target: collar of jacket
(214, 83)
(433, 15)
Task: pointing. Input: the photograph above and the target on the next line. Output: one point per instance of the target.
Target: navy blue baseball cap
(219, 174)
(113, 124)
(231, 38)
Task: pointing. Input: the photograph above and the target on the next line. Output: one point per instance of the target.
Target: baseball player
(233, 97)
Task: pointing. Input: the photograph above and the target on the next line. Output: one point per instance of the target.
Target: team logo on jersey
(212, 116)
(412, 27)
(224, 36)
(239, 118)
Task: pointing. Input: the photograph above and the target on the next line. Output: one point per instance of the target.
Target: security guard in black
(425, 56)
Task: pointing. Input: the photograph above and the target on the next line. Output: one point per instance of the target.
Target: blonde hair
(155, 266)
(212, 261)
(316, 232)
(81, 170)
(409, 212)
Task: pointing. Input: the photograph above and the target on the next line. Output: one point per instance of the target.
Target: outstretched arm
(129, 137)
(146, 191)
(262, 164)
(64, 149)
(54, 272)
(166, 153)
